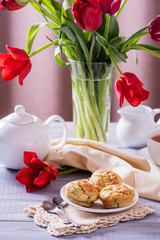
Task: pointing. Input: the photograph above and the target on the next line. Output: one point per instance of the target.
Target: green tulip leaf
(34, 29)
(103, 42)
(119, 57)
(47, 10)
(150, 47)
(81, 38)
(147, 48)
(58, 59)
(32, 34)
(117, 41)
(134, 37)
(69, 33)
(135, 57)
(113, 31)
(67, 4)
(56, 5)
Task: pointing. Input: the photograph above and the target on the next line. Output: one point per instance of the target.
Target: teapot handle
(64, 137)
(155, 112)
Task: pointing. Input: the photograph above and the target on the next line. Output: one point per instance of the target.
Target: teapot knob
(19, 117)
(19, 109)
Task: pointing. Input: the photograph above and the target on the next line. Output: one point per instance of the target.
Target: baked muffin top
(103, 177)
(81, 192)
(117, 195)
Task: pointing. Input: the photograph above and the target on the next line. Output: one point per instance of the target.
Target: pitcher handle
(155, 112)
(64, 137)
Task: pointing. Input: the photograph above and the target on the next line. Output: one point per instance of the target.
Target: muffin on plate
(117, 196)
(82, 193)
(104, 177)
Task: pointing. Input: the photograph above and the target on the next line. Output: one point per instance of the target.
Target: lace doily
(90, 221)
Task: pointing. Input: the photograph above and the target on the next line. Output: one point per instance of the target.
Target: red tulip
(110, 6)
(38, 175)
(154, 29)
(130, 87)
(16, 63)
(87, 14)
(10, 5)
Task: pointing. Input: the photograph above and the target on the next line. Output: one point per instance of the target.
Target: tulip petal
(43, 179)
(10, 5)
(17, 54)
(17, 63)
(92, 22)
(130, 87)
(131, 78)
(131, 97)
(154, 29)
(27, 176)
(105, 5)
(27, 157)
(87, 14)
(3, 57)
(30, 189)
(36, 163)
(8, 75)
(55, 172)
(24, 72)
(11, 69)
(110, 6)
(115, 6)
(119, 92)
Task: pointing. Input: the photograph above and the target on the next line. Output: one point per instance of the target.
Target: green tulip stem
(55, 42)
(87, 114)
(68, 171)
(92, 46)
(94, 102)
(139, 47)
(136, 35)
(107, 27)
(91, 106)
(115, 64)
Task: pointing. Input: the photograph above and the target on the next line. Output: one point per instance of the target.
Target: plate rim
(97, 210)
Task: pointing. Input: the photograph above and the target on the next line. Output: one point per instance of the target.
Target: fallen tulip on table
(38, 174)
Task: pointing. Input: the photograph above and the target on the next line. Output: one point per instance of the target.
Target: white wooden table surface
(15, 225)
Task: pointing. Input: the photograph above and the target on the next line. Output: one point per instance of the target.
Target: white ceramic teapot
(21, 131)
(135, 124)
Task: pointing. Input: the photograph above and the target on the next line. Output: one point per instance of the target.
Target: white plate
(98, 205)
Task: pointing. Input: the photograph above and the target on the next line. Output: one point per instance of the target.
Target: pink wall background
(47, 88)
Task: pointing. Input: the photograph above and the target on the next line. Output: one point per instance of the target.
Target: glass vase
(91, 97)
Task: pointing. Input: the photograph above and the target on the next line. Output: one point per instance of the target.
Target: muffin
(103, 178)
(82, 193)
(117, 196)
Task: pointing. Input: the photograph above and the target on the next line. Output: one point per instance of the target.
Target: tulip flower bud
(87, 14)
(110, 6)
(16, 63)
(130, 87)
(10, 5)
(154, 29)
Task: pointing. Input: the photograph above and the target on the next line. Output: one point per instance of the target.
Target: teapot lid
(19, 116)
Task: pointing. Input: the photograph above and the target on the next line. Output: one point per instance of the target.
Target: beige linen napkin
(135, 170)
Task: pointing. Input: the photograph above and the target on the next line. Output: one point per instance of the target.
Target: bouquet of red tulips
(87, 31)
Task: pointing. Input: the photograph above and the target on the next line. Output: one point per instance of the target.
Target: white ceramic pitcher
(135, 124)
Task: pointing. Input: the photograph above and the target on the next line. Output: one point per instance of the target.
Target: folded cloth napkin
(135, 170)
(89, 221)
